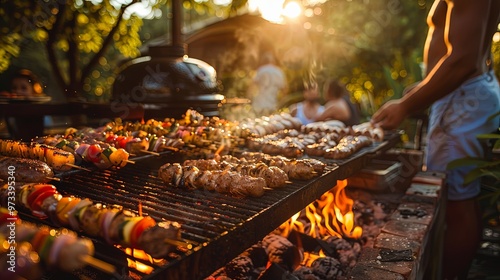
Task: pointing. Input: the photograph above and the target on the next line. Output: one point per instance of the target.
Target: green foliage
(373, 46)
(83, 40)
(9, 47)
(483, 167)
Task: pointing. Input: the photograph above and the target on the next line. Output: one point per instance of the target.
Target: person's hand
(390, 115)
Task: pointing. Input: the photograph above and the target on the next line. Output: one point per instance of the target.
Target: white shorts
(454, 122)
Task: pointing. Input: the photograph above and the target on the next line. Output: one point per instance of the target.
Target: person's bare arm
(333, 112)
(464, 35)
(293, 110)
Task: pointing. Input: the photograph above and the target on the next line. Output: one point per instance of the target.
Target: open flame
(142, 261)
(309, 257)
(331, 215)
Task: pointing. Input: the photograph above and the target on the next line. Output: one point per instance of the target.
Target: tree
(373, 46)
(83, 40)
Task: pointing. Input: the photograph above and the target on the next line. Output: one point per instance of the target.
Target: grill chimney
(167, 81)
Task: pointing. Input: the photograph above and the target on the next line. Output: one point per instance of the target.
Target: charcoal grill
(219, 226)
(167, 81)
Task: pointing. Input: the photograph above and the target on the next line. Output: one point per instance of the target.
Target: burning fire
(330, 215)
(309, 258)
(139, 265)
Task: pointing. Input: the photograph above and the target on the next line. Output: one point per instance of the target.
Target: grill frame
(219, 226)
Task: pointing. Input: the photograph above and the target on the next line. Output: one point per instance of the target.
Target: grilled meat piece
(152, 240)
(90, 219)
(295, 169)
(348, 146)
(222, 181)
(203, 164)
(298, 169)
(249, 186)
(171, 173)
(274, 176)
(25, 170)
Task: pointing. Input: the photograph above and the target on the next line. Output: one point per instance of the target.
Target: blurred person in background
(267, 85)
(463, 92)
(310, 108)
(338, 105)
(25, 87)
(24, 84)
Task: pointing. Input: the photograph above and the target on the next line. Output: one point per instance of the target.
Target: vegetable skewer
(57, 249)
(114, 225)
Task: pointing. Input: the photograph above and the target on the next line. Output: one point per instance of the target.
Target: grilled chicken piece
(249, 186)
(298, 169)
(90, 219)
(152, 240)
(222, 181)
(348, 146)
(171, 173)
(273, 176)
(295, 169)
(203, 164)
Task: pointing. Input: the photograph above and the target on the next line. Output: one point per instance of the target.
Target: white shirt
(270, 79)
(302, 116)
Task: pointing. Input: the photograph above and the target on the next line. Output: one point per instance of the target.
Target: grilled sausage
(25, 170)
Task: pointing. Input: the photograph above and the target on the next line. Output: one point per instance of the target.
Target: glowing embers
(331, 215)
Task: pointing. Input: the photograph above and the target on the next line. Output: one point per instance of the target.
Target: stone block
(414, 231)
(395, 242)
(370, 266)
(414, 212)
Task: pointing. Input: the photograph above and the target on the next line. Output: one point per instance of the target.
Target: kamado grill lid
(167, 81)
(164, 75)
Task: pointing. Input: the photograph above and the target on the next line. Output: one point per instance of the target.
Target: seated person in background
(338, 105)
(309, 109)
(24, 84)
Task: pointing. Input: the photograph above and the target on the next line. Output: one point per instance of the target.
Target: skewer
(172, 148)
(78, 167)
(130, 161)
(238, 150)
(54, 178)
(178, 243)
(267, 188)
(219, 149)
(96, 263)
(150, 152)
(289, 182)
(140, 209)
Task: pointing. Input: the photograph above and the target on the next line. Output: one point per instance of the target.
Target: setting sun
(274, 11)
(292, 10)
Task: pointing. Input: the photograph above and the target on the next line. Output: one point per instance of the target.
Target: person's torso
(436, 46)
(270, 80)
(302, 114)
(270, 76)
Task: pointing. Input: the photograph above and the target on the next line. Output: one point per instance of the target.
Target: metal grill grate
(219, 226)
